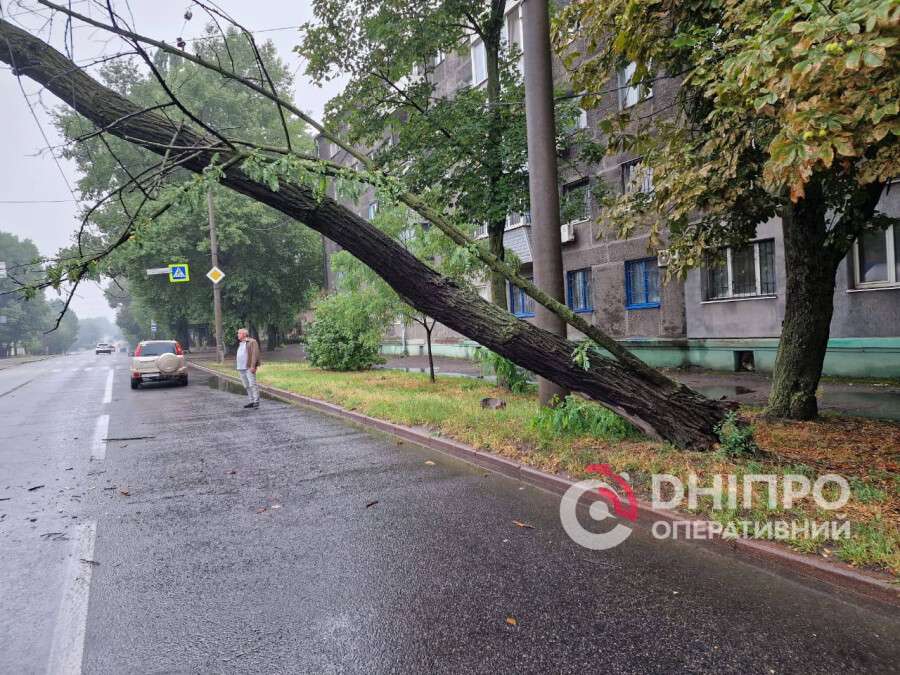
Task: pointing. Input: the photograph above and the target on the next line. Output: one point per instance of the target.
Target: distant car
(103, 348)
(158, 361)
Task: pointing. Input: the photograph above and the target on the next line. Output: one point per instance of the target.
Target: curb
(870, 585)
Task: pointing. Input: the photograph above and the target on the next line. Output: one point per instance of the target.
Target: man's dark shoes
(255, 405)
(250, 405)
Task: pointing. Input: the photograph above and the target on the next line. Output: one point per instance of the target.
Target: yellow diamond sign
(215, 275)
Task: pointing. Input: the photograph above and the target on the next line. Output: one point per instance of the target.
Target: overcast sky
(35, 200)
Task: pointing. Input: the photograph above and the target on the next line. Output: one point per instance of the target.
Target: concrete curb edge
(871, 585)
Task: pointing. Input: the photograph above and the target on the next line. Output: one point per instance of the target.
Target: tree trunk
(812, 253)
(271, 337)
(660, 407)
(809, 304)
(428, 342)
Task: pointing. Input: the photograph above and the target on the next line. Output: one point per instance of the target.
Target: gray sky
(28, 172)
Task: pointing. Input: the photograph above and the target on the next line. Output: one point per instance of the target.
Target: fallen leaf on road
(275, 506)
(519, 523)
(371, 503)
(89, 562)
(124, 493)
(231, 473)
(512, 621)
(35, 487)
(429, 462)
(261, 509)
(5, 499)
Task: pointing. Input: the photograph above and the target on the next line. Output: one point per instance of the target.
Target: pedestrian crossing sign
(179, 274)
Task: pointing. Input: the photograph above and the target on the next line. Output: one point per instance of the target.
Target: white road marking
(107, 393)
(57, 370)
(89, 368)
(67, 650)
(101, 431)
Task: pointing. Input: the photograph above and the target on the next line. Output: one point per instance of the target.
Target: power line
(40, 201)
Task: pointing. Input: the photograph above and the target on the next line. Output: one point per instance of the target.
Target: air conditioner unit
(567, 233)
(663, 257)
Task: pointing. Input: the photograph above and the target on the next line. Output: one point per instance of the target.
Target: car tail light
(135, 374)
(137, 351)
(178, 349)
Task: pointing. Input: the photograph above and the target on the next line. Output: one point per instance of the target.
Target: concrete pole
(217, 292)
(542, 174)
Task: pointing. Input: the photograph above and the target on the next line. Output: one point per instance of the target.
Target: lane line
(98, 445)
(107, 393)
(67, 648)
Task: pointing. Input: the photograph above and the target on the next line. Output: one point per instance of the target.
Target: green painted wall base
(457, 350)
(846, 357)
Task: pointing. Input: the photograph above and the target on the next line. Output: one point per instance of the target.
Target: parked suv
(158, 361)
(103, 348)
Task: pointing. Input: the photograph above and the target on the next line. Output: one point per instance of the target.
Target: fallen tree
(657, 405)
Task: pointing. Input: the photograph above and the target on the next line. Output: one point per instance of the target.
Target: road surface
(168, 530)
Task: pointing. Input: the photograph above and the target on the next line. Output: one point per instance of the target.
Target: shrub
(577, 417)
(508, 374)
(346, 333)
(736, 437)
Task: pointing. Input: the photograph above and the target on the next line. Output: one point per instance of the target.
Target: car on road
(104, 348)
(158, 361)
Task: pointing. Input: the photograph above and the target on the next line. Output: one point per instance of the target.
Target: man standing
(247, 362)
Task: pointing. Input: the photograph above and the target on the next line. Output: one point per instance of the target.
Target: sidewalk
(13, 361)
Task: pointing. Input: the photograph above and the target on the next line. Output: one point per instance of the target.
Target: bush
(736, 437)
(577, 417)
(346, 334)
(509, 375)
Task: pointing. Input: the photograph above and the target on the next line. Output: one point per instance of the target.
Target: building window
(512, 33)
(575, 204)
(630, 93)
(641, 283)
(578, 290)
(582, 121)
(877, 258)
(372, 210)
(479, 62)
(742, 272)
(636, 177)
(520, 303)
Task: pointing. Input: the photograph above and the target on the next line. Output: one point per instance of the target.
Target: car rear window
(157, 348)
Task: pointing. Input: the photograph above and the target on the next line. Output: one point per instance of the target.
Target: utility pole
(217, 292)
(542, 175)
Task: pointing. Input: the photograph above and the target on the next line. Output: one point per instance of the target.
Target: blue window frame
(578, 290)
(641, 283)
(520, 303)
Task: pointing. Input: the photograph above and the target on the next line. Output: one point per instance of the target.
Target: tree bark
(812, 254)
(809, 305)
(660, 407)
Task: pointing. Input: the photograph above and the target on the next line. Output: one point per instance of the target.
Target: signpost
(217, 292)
(2, 270)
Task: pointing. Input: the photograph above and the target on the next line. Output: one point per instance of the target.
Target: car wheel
(135, 384)
(183, 381)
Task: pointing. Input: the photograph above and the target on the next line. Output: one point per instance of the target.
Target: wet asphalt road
(245, 544)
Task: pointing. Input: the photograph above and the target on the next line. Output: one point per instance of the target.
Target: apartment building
(727, 317)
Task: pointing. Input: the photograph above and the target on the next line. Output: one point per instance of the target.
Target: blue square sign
(179, 274)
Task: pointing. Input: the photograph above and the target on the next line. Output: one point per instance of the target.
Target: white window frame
(638, 92)
(575, 185)
(646, 184)
(474, 46)
(730, 271)
(890, 262)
